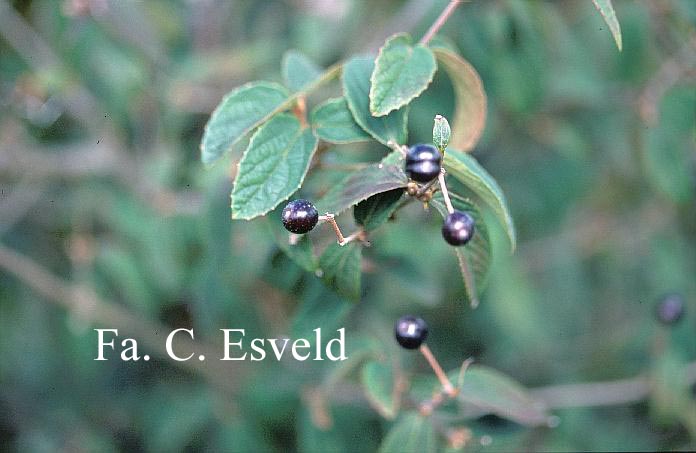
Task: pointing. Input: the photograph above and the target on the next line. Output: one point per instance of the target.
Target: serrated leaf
(240, 111)
(476, 254)
(272, 167)
(380, 388)
(360, 185)
(356, 90)
(499, 394)
(470, 173)
(402, 72)
(298, 70)
(333, 122)
(470, 99)
(301, 252)
(341, 268)
(411, 433)
(607, 9)
(377, 209)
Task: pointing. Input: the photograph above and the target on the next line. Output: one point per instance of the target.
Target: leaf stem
(445, 193)
(440, 21)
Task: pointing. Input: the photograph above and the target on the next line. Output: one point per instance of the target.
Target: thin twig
(440, 21)
(447, 386)
(445, 193)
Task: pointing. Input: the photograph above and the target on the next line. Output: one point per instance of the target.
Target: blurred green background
(107, 219)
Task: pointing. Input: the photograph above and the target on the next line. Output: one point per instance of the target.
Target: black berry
(670, 309)
(300, 216)
(423, 163)
(410, 331)
(458, 228)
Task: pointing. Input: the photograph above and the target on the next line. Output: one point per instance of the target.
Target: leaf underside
(607, 10)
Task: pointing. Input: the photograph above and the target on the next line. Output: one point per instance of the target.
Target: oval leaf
(272, 167)
(607, 9)
(356, 89)
(402, 72)
(240, 111)
(411, 433)
(298, 70)
(470, 173)
(380, 388)
(470, 99)
(341, 269)
(360, 185)
(333, 122)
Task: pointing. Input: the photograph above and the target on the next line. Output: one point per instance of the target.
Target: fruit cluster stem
(332, 221)
(447, 386)
(445, 193)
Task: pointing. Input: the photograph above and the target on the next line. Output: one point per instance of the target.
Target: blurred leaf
(298, 70)
(301, 253)
(240, 111)
(377, 209)
(411, 433)
(470, 173)
(356, 89)
(272, 167)
(402, 72)
(360, 185)
(333, 122)
(470, 107)
(341, 268)
(605, 7)
(378, 382)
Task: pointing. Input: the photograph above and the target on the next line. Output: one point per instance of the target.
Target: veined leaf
(241, 111)
(341, 268)
(377, 209)
(441, 132)
(272, 167)
(360, 185)
(298, 70)
(607, 9)
(402, 72)
(333, 122)
(411, 433)
(380, 388)
(356, 89)
(467, 170)
(470, 99)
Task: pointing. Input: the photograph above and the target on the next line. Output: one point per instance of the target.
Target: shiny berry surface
(300, 216)
(423, 163)
(670, 309)
(410, 331)
(458, 228)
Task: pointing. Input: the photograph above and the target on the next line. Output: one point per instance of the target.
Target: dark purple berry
(300, 216)
(458, 228)
(423, 163)
(410, 331)
(670, 309)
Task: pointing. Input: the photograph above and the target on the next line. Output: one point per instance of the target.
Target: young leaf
(341, 267)
(360, 185)
(441, 132)
(607, 9)
(241, 111)
(356, 89)
(298, 70)
(377, 209)
(497, 393)
(470, 99)
(411, 433)
(470, 173)
(333, 122)
(402, 72)
(378, 383)
(272, 167)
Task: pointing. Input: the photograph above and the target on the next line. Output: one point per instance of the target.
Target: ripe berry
(300, 216)
(423, 163)
(458, 228)
(410, 331)
(670, 309)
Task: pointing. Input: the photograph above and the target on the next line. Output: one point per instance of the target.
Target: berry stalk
(445, 193)
(441, 376)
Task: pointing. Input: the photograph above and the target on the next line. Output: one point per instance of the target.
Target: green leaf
(441, 132)
(333, 122)
(341, 269)
(360, 185)
(497, 393)
(298, 70)
(475, 257)
(356, 89)
(402, 72)
(272, 167)
(377, 209)
(470, 99)
(605, 7)
(470, 173)
(301, 253)
(380, 388)
(411, 433)
(240, 111)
